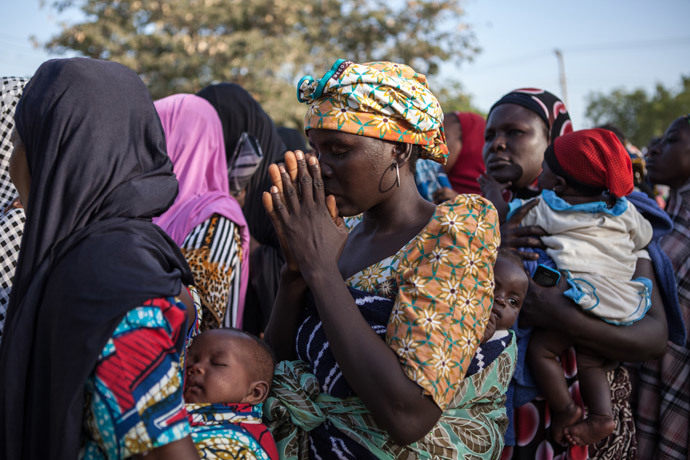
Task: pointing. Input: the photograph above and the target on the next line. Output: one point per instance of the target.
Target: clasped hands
(311, 233)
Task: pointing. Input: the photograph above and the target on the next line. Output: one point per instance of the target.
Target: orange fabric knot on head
(383, 100)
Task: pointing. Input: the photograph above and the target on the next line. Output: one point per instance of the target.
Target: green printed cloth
(471, 428)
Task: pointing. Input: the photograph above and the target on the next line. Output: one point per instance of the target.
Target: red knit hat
(592, 159)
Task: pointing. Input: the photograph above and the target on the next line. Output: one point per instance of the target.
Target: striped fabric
(244, 162)
(213, 250)
(488, 351)
(663, 412)
(313, 346)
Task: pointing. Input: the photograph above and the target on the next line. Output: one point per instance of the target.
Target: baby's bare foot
(562, 419)
(594, 428)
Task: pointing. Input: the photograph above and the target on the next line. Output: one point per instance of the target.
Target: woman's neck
(404, 208)
(385, 229)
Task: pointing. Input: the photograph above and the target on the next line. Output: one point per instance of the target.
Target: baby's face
(547, 180)
(511, 284)
(215, 371)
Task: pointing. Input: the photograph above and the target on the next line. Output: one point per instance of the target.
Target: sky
(606, 44)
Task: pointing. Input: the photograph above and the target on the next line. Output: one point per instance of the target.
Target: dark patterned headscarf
(549, 108)
(10, 92)
(12, 220)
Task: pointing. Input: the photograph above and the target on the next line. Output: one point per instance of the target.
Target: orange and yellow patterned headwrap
(377, 99)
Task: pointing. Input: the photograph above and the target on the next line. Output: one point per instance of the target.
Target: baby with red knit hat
(595, 236)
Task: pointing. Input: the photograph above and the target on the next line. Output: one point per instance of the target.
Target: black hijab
(99, 172)
(293, 139)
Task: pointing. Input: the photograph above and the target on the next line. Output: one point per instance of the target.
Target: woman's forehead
(325, 137)
(682, 123)
(512, 113)
(321, 135)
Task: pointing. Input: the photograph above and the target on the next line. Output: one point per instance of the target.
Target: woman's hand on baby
(307, 223)
(545, 306)
(514, 236)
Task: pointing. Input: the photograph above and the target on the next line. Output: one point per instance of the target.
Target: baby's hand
(494, 191)
(490, 185)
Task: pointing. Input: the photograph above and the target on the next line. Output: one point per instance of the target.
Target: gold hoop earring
(397, 173)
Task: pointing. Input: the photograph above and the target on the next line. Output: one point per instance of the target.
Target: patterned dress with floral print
(439, 289)
(442, 283)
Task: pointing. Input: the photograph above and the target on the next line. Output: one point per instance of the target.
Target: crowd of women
(364, 261)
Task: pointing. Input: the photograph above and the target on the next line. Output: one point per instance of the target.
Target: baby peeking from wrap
(228, 374)
(510, 288)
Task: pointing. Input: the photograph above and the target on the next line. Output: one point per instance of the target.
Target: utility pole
(561, 73)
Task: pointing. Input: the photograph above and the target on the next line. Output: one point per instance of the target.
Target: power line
(586, 48)
(629, 45)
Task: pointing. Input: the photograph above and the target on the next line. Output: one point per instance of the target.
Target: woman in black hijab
(92, 173)
(239, 112)
(293, 139)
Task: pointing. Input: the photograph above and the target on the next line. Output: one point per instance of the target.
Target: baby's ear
(258, 391)
(561, 185)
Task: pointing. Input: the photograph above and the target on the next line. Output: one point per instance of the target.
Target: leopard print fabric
(213, 251)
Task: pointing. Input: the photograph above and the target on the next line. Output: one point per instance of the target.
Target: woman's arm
(282, 326)
(281, 329)
(644, 340)
(370, 367)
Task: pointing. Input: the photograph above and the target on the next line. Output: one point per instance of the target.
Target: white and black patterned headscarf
(12, 221)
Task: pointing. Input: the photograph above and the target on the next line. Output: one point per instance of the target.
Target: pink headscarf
(194, 136)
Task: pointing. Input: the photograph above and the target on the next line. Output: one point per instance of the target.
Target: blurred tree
(264, 45)
(639, 115)
(454, 98)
